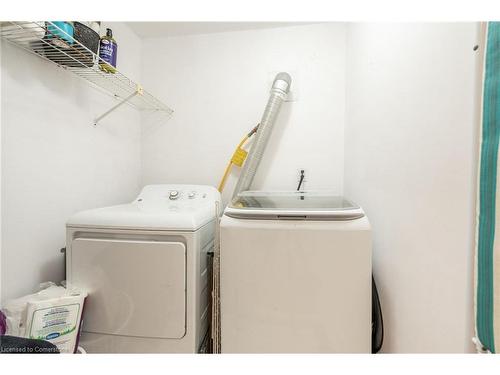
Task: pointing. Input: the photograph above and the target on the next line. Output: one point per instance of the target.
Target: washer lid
(294, 205)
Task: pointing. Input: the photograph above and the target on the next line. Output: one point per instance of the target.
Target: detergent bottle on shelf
(107, 52)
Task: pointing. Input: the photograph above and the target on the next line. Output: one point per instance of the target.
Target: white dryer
(295, 274)
(144, 265)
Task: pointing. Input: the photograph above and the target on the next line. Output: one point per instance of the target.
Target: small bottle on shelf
(107, 52)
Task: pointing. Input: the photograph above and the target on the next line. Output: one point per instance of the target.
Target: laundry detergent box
(52, 314)
(57, 321)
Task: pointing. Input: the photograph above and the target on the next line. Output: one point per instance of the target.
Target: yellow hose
(238, 157)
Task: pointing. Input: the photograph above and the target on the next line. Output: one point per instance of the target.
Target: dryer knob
(174, 194)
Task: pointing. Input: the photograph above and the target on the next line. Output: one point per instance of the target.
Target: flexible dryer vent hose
(279, 91)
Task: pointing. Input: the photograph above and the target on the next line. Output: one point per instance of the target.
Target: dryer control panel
(172, 207)
(187, 193)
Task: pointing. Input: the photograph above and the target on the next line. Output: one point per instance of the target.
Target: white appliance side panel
(295, 286)
(136, 288)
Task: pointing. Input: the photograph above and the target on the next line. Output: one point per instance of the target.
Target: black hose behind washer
(377, 321)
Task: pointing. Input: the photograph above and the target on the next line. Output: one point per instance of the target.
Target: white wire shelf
(48, 41)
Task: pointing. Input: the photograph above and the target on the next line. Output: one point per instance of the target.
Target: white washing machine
(144, 265)
(295, 274)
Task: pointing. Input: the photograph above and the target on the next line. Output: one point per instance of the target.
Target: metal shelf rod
(139, 91)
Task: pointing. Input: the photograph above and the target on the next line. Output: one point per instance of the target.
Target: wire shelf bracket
(139, 91)
(48, 41)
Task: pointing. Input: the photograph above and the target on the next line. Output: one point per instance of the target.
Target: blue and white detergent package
(53, 314)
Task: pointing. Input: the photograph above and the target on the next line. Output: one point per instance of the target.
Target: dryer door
(136, 288)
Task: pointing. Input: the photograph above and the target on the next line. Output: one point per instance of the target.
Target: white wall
(410, 161)
(55, 162)
(218, 85)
